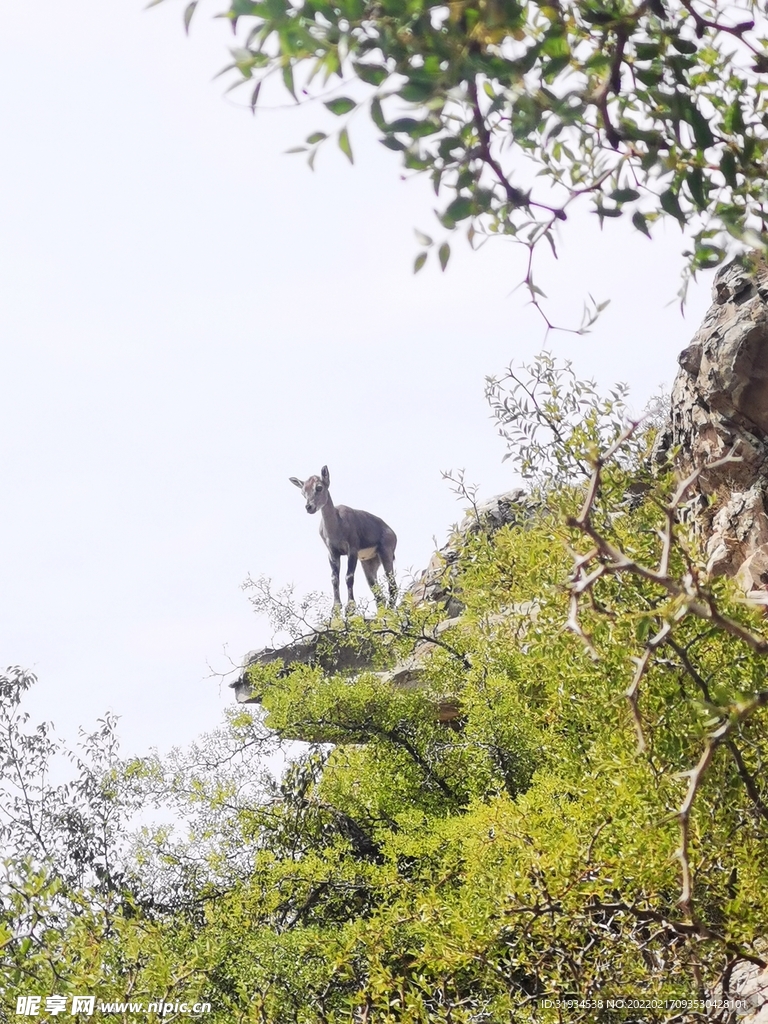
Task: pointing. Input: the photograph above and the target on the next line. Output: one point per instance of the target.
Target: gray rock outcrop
(436, 583)
(719, 406)
(310, 650)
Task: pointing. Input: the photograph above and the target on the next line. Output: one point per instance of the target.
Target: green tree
(592, 826)
(650, 110)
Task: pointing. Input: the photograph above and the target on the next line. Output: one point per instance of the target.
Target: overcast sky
(188, 317)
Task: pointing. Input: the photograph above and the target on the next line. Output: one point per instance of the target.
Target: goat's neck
(331, 521)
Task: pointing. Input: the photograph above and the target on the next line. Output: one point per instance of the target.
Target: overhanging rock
(314, 649)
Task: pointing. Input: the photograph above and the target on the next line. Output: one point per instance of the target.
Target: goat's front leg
(335, 561)
(351, 566)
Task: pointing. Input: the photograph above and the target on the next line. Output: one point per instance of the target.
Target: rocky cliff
(719, 409)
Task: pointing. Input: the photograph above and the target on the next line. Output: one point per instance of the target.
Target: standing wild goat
(351, 532)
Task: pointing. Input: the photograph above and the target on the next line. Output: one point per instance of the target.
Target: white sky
(188, 317)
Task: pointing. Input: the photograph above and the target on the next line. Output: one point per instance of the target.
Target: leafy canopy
(516, 110)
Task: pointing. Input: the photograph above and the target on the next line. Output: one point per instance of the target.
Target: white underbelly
(365, 553)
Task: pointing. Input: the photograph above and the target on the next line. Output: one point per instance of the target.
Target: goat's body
(354, 534)
(350, 529)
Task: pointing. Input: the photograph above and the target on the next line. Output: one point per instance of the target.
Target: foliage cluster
(651, 110)
(556, 841)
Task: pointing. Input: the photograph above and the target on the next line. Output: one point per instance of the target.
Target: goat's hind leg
(388, 561)
(371, 568)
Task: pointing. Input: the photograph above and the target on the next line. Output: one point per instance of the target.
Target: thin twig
(746, 777)
(633, 690)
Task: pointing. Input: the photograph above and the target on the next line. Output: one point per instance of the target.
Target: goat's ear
(325, 476)
(295, 480)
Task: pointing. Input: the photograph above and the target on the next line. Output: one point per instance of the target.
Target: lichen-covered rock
(720, 405)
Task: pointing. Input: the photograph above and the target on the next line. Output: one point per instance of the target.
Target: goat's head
(314, 490)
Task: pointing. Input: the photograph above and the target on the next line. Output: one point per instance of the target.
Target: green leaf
(288, 79)
(419, 262)
(624, 195)
(695, 182)
(190, 10)
(244, 8)
(377, 115)
(422, 238)
(643, 628)
(728, 168)
(340, 106)
(447, 146)
(706, 257)
(607, 211)
(413, 127)
(444, 254)
(649, 76)
(646, 51)
(403, 124)
(552, 68)
(701, 130)
(316, 137)
(372, 74)
(459, 209)
(416, 92)
(344, 145)
(556, 44)
(683, 45)
(641, 223)
(733, 121)
(255, 96)
(671, 204)
(414, 162)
